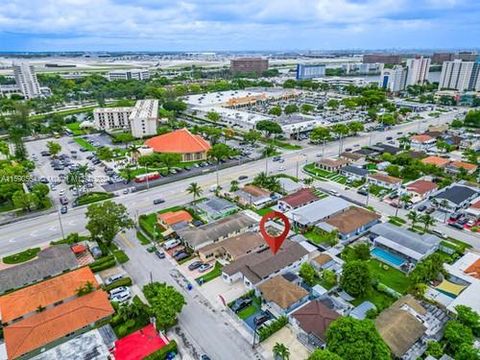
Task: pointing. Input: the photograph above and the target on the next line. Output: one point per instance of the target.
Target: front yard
(324, 175)
(320, 237)
(213, 274)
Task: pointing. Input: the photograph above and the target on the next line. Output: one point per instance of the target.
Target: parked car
(118, 290)
(204, 267)
(240, 304)
(422, 208)
(180, 256)
(170, 244)
(430, 210)
(362, 192)
(160, 254)
(122, 297)
(260, 319)
(456, 226)
(113, 278)
(64, 210)
(158, 201)
(462, 221)
(63, 200)
(195, 265)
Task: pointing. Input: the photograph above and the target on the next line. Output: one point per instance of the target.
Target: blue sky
(195, 25)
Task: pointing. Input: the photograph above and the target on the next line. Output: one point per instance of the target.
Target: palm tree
(308, 181)
(427, 221)
(280, 351)
(268, 151)
(234, 186)
(413, 217)
(444, 205)
(404, 198)
(133, 150)
(195, 190)
(404, 142)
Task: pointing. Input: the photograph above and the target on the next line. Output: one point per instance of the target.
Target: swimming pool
(387, 257)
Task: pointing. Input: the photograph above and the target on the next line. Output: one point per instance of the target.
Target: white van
(113, 278)
(170, 244)
(439, 233)
(118, 290)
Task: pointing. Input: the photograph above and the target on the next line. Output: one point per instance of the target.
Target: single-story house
(474, 209)
(398, 247)
(282, 295)
(353, 222)
(254, 268)
(233, 248)
(455, 196)
(332, 165)
(322, 261)
(288, 185)
(352, 157)
(384, 148)
(171, 218)
(354, 172)
(360, 312)
(253, 195)
(402, 325)
(422, 142)
(313, 319)
(420, 190)
(216, 208)
(436, 161)
(298, 199)
(455, 167)
(196, 238)
(50, 262)
(317, 211)
(384, 180)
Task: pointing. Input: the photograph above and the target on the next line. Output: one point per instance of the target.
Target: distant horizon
(235, 25)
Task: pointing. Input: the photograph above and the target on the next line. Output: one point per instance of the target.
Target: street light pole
(60, 221)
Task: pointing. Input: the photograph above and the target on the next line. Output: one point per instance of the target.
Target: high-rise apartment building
(141, 120)
(382, 58)
(460, 75)
(310, 71)
(26, 80)
(467, 56)
(248, 65)
(133, 74)
(417, 70)
(393, 79)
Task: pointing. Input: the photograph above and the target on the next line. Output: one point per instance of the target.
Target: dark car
(455, 217)
(389, 138)
(204, 357)
(260, 319)
(158, 201)
(456, 226)
(242, 177)
(422, 208)
(462, 221)
(44, 180)
(348, 149)
(195, 265)
(64, 210)
(180, 256)
(160, 254)
(430, 210)
(362, 192)
(241, 304)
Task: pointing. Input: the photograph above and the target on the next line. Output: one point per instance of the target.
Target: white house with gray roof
(312, 214)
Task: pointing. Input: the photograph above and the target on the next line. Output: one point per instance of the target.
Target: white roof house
(317, 211)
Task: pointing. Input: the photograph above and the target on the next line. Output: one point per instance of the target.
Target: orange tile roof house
(191, 147)
(422, 141)
(435, 160)
(456, 166)
(30, 336)
(298, 199)
(421, 189)
(171, 218)
(45, 294)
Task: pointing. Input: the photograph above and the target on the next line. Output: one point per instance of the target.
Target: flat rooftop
(145, 109)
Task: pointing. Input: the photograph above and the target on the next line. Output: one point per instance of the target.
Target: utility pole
(60, 221)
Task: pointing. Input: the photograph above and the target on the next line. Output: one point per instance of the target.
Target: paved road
(40, 230)
(203, 329)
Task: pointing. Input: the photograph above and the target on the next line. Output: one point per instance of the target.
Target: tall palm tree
(234, 186)
(413, 217)
(280, 351)
(427, 221)
(195, 190)
(133, 150)
(404, 142)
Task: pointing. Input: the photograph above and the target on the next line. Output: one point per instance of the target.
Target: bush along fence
(268, 330)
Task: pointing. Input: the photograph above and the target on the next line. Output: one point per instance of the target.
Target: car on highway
(158, 201)
(242, 177)
(334, 192)
(195, 265)
(63, 200)
(64, 210)
(204, 267)
(389, 138)
(125, 191)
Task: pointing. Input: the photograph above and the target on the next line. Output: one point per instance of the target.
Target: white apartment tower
(141, 120)
(460, 75)
(393, 79)
(417, 70)
(26, 80)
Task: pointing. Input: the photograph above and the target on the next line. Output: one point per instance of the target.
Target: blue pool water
(387, 257)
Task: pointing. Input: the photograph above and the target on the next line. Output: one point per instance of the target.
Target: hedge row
(268, 330)
(120, 256)
(163, 352)
(126, 281)
(103, 263)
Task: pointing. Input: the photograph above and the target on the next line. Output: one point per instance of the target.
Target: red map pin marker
(274, 242)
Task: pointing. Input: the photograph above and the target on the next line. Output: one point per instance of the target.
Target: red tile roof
(300, 198)
(385, 178)
(422, 186)
(175, 217)
(435, 160)
(315, 318)
(422, 138)
(464, 165)
(139, 344)
(179, 141)
(48, 292)
(474, 269)
(52, 324)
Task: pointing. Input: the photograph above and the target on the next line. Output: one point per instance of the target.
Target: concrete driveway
(288, 338)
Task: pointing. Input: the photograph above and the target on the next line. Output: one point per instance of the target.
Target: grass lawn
(380, 300)
(142, 238)
(250, 310)
(21, 256)
(263, 211)
(75, 128)
(216, 272)
(377, 190)
(320, 237)
(325, 175)
(92, 197)
(283, 144)
(392, 277)
(84, 144)
(397, 219)
(120, 256)
(149, 224)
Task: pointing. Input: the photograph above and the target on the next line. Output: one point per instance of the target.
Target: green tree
(252, 136)
(435, 349)
(41, 190)
(319, 354)
(213, 116)
(269, 127)
(176, 106)
(54, 148)
(387, 119)
(170, 159)
(166, 303)
(333, 104)
(104, 153)
(195, 190)
(467, 352)
(355, 127)
(308, 273)
(85, 289)
(427, 221)
(4, 149)
(234, 186)
(457, 334)
(280, 351)
(427, 270)
(276, 110)
(356, 279)
(469, 318)
(219, 152)
(106, 219)
(320, 135)
(353, 339)
(404, 142)
(414, 217)
(306, 108)
(25, 201)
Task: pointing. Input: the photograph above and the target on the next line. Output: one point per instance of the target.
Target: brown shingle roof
(385, 178)
(282, 292)
(315, 318)
(237, 246)
(352, 156)
(45, 327)
(463, 165)
(333, 162)
(300, 198)
(421, 138)
(422, 186)
(322, 259)
(48, 292)
(398, 327)
(352, 219)
(255, 191)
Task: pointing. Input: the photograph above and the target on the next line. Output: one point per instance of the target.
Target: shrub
(268, 330)
(163, 352)
(120, 282)
(120, 256)
(103, 263)
(21, 256)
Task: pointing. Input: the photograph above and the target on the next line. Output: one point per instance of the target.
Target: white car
(281, 168)
(113, 278)
(61, 192)
(118, 290)
(121, 297)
